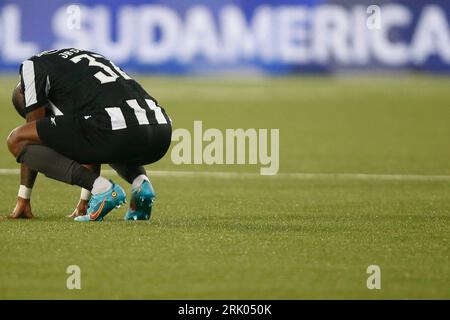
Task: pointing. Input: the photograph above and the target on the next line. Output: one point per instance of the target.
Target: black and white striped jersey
(79, 82)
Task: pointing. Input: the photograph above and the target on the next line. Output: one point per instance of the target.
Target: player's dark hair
(18, 100)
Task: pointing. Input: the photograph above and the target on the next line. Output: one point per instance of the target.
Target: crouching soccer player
(100, 116)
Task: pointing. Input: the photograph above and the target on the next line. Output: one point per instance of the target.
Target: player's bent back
(102, 115)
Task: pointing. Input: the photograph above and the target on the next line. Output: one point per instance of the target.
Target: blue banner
(222, 36)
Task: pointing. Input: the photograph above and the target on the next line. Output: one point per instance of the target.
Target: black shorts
(90, 141)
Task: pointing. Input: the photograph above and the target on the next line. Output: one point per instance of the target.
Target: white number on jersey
(108, 75)
(116, 115)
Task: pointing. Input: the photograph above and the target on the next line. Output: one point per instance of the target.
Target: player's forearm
(23, 206)
(27, 176)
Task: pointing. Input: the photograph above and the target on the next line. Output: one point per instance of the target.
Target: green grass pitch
(251, 236)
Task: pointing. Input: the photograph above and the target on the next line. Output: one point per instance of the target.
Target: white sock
(85, 194)
(101, 185)
(138, 181)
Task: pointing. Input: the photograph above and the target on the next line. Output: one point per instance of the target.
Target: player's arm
(29, 98)
(27, 175)
(27, 178)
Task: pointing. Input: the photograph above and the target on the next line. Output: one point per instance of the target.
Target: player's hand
(22, 210)
(80, 210)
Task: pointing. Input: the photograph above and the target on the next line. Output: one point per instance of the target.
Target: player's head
(18, 100)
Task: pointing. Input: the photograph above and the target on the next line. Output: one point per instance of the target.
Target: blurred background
(223, 36)
(354, 86)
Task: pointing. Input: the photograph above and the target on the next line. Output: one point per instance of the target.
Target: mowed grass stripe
(284, 175)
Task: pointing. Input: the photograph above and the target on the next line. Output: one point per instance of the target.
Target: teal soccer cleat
(141, 202)
(101, 204)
